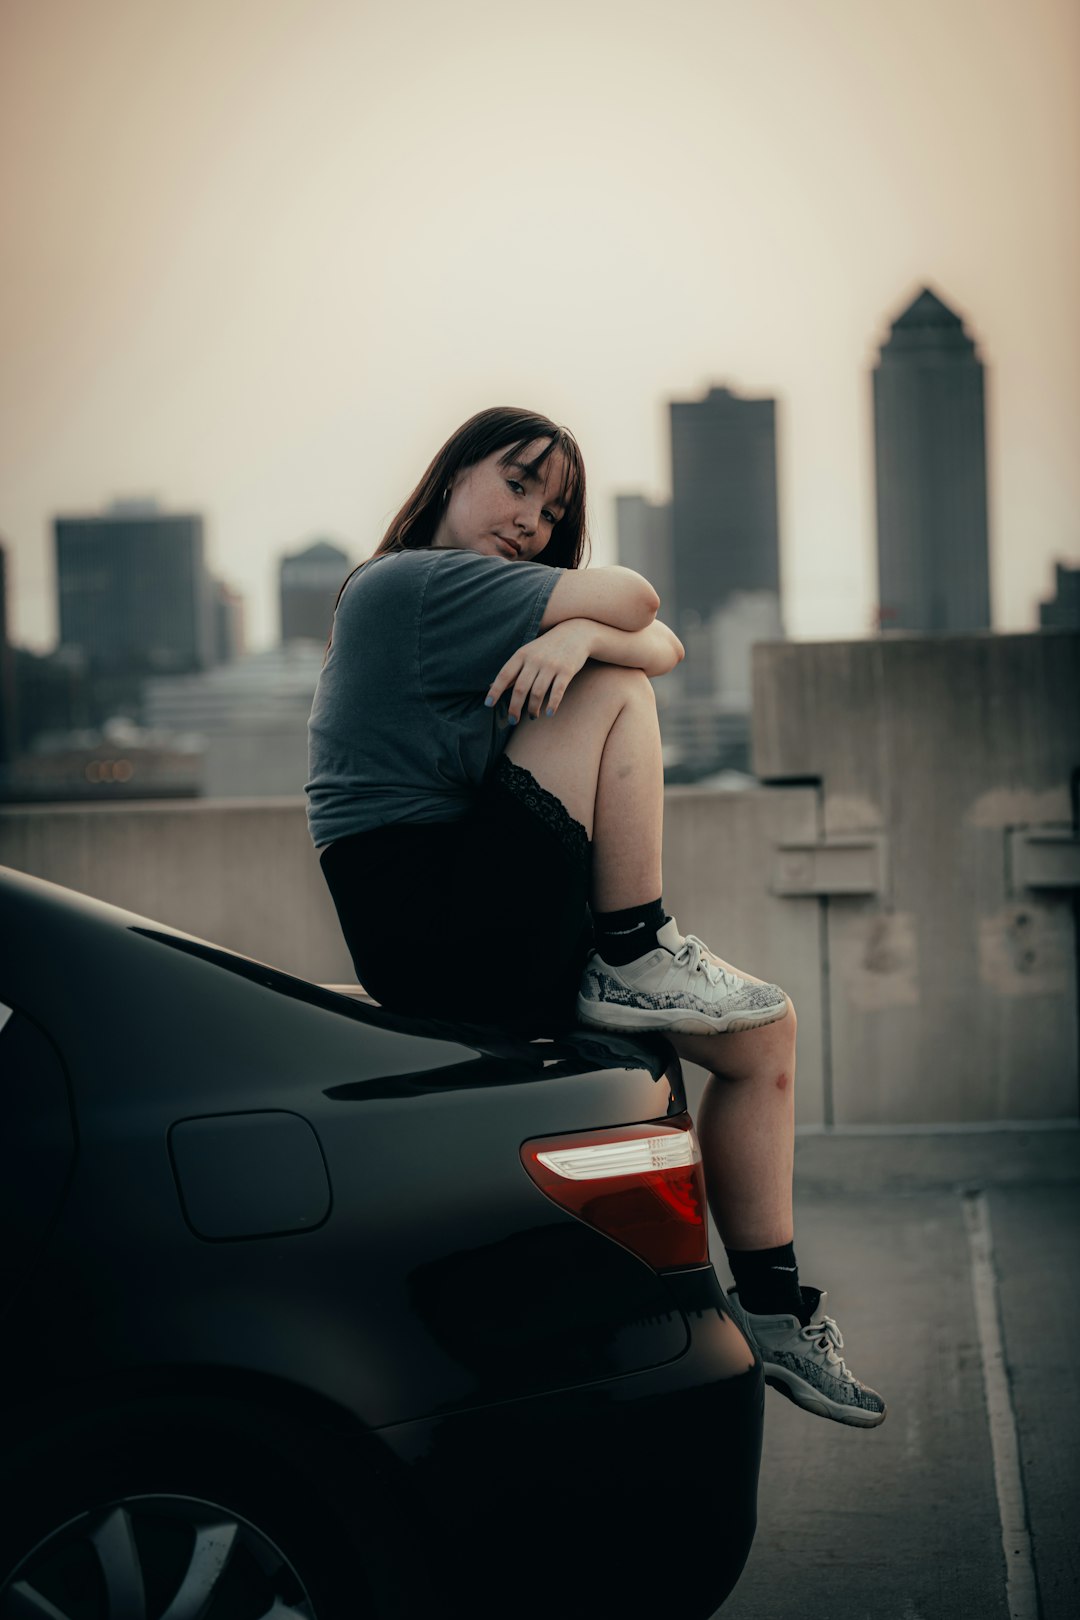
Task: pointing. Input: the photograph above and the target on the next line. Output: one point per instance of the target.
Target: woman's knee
(609, 685)
(783, 1031)
(616, 676)
(767, 1051)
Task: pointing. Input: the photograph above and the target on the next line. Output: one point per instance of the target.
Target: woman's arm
(538, 674)
(614, 596)
(656, 649)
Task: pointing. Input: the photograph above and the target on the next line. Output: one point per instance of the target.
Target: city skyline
(261, 272)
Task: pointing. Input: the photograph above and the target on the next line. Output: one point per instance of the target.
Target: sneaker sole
(812, 1400)
(682, 1023)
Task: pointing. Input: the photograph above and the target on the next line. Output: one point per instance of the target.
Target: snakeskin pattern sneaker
(681, 985)
(804, 1363)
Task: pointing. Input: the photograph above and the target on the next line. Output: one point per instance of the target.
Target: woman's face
(504, 511)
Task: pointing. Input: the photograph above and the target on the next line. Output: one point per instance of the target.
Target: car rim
(156, 1558)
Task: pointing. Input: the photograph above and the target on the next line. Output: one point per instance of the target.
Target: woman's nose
(526, 519)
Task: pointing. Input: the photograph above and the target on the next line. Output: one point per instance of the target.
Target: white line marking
(1020, 1591)
(973, 1127)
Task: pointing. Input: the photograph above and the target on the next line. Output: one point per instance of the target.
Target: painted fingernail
(513, 719)
(488, 701)
(551, 711)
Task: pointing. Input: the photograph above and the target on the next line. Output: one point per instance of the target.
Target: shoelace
(830, 1339)
(693, 952)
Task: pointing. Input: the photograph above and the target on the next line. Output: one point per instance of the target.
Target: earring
(446, 494)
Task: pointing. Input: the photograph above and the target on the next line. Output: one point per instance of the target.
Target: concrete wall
(239, 873)
(719, 852)
(943, 989)
(243, 874)
(951, 992)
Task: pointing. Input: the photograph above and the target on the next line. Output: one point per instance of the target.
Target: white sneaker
(680, 986)
(804, 1363)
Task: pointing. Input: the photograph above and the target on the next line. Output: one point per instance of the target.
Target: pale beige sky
(261, 256)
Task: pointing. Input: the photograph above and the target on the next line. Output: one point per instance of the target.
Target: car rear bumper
(609, 1498)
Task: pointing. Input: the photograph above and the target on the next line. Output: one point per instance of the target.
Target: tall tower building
(725, 526)
(643, 542)
(134, 590)
(229, 635)
(310, 581)
(930, 457)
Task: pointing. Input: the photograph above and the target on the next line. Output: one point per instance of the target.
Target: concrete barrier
(237, 872)
(950, 984)
(907, 873)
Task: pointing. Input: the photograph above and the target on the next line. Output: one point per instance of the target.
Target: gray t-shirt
(398, 729)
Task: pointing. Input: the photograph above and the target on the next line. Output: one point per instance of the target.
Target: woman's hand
(540, 672)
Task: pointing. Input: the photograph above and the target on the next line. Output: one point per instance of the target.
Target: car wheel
(162, 1557)
(156, 1532)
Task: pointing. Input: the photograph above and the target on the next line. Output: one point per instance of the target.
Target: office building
(230, 641)
(725, 523)
(249, 717)
(134, 593)
(643, 543)
(713, 554)
(746, 618)
(1062, 611)
(52, 694)
(930, 459)
(309, 584)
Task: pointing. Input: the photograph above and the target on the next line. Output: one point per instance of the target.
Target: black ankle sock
(768, 1281)
(623, 935)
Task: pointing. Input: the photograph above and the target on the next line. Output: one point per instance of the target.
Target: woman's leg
(746, 1126)
(600, 755)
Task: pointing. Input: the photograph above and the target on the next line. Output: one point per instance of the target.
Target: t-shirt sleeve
(476, 611)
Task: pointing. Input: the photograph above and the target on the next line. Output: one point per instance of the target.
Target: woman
(505, 873)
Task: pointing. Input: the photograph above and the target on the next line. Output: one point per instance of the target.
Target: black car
(309, 1310)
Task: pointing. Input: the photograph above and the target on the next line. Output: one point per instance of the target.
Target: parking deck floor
(950, 1258)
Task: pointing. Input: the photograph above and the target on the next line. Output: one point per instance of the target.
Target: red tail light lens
(642, 1185)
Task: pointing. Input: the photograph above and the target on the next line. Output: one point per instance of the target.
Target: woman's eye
(549, 517)
(519, 489)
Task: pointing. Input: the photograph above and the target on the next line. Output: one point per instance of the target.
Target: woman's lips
(514, 550)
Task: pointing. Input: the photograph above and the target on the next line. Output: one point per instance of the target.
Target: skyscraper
(229, 637)
(1062, 611)
(643, 540)
(713, 554)
(134, 591)
(310, 581)
(930, 457)
(725, 527)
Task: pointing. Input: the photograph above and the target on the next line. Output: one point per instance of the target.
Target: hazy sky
(262, 256)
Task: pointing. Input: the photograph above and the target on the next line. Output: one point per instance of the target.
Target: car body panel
(271, 1196)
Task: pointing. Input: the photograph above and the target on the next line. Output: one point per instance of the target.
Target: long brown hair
(507, 428)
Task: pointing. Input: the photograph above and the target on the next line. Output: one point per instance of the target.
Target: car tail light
(642, 1185)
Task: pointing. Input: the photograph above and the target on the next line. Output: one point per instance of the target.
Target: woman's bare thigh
(563, 752)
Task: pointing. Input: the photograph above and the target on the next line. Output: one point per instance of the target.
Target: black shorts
(485, 919)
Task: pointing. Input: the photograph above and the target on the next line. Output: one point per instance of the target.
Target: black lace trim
(551, 811)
